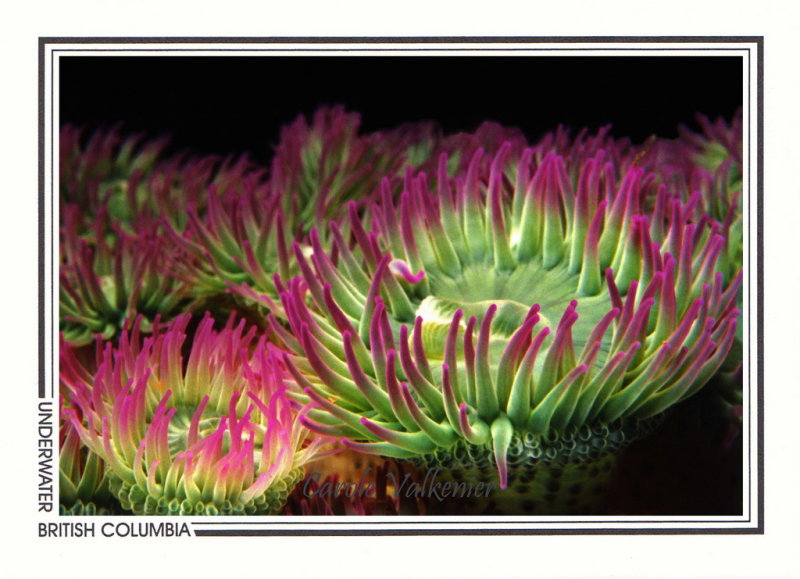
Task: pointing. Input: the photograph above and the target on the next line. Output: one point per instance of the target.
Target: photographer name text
(430, 487)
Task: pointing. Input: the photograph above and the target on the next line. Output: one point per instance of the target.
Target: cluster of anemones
(488, 308)
(118, 206)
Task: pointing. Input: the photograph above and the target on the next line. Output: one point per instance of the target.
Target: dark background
(238, 104)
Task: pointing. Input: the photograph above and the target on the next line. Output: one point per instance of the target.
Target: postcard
(357, 288)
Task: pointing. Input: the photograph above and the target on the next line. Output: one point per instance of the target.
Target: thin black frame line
(441, 532)
(52, 248)
(290, 522)
(52, 223)
(43, 41)
(397, 39)
(415, 50)
(749, 299)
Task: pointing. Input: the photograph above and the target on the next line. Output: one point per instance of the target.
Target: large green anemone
(543, 328)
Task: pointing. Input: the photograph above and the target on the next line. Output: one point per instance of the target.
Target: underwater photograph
(371, 285)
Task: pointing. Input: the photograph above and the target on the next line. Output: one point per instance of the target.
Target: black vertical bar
(40, 211)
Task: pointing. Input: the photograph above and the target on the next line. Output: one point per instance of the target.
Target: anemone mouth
(186, 427)
(179, 430)
(479, 287)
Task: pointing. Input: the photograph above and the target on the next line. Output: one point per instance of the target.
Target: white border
(750, 518)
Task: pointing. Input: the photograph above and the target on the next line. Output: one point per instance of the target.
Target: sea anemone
(217, 435)
(113, 278)
(706, 170)
(460, 148)
(83, 484)
(130, 180)
(718, 145)
(709, 165)
(240, 241)
(543, 329)
(319, 166)
(119, 201)
(96, 172)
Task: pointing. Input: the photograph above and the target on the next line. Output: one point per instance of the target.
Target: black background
(238, 104)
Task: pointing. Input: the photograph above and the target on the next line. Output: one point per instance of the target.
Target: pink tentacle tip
(502, 471)
(401, 269)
